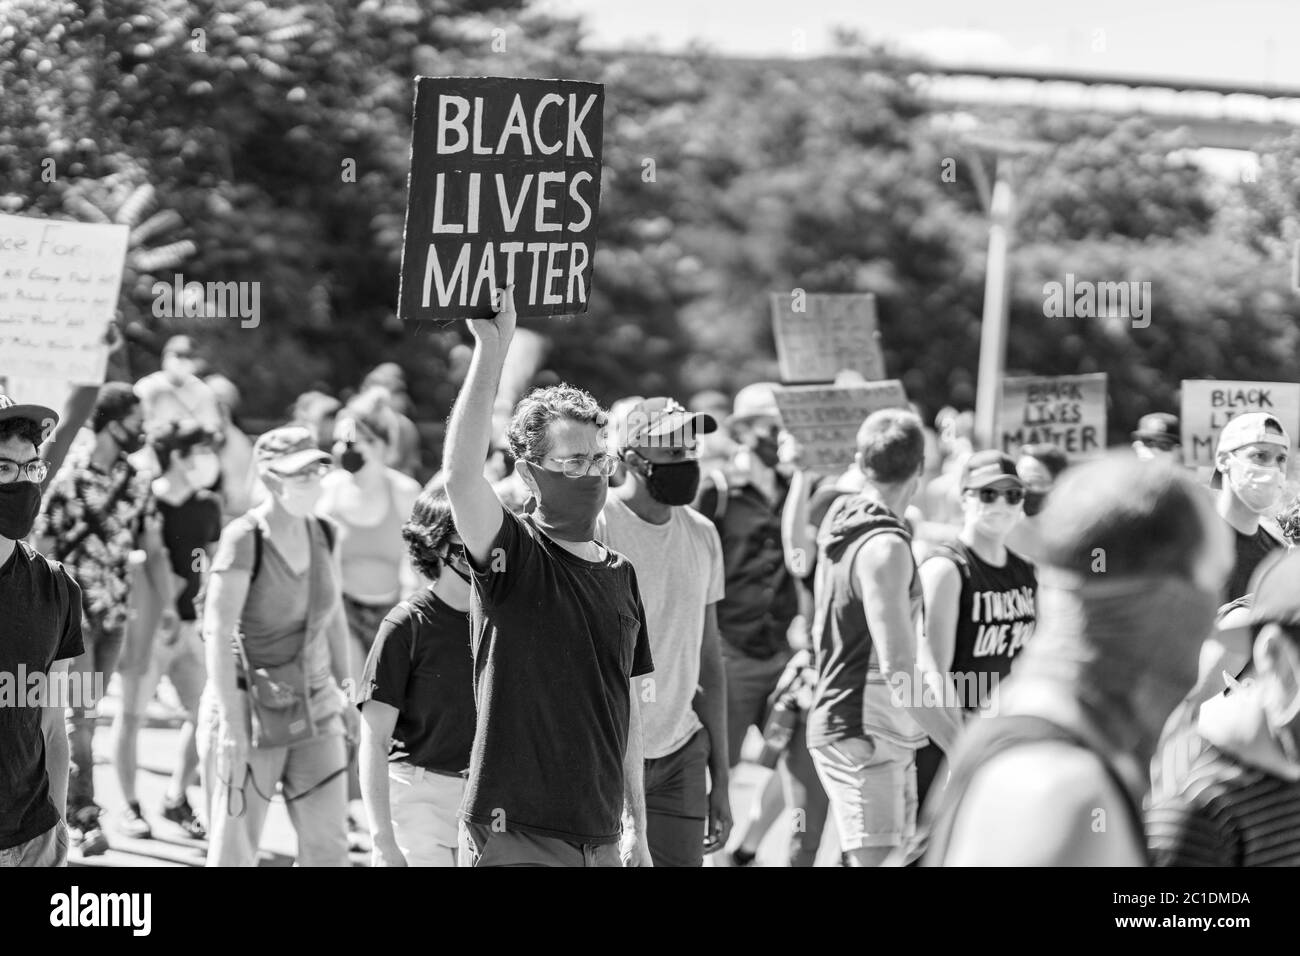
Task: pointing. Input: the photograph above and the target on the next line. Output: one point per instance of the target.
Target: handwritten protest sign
(504, 187)
(1068, 411)
(824, 419)
(819, 335)
(1208, 405)
(59, 284)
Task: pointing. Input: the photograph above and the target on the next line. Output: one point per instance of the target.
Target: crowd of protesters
(558, 649)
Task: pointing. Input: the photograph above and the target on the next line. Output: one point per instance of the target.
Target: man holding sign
(504, 190)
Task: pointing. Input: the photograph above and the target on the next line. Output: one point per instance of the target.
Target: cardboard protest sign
(820, 335)
(1068, 411)
(824, 419)
(1208, 405)
(59, 284)
(504, 187)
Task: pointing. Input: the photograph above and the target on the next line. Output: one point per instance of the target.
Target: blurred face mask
(300, 497)
(352, 460)
(203, 469)
(672, 483)
(1258, 486)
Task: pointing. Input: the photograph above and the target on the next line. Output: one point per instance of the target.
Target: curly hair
(1288, 520)
(25, 429)
(429, 526)
(530, 428)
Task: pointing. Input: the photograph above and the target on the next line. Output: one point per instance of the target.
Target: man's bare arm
(474, 504)
(56, 738)
(883, 568)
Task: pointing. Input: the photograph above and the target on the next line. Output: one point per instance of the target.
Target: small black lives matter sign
(504, 187)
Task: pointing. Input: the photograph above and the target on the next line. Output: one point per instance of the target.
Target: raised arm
(883, 568)
(474, 504)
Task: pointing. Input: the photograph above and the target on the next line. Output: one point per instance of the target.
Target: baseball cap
(1160, 428)
(46, 418)
(1276, 598)
(287, 449)
(660, 423)
(756, 400)
(987, 467)
(1249, 429)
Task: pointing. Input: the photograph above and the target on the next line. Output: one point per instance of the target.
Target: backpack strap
(985, 742)
(326, 528)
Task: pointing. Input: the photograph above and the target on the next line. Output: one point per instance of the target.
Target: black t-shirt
(40, 623)
(1251, 550)
(996, 612)
(556, 641)
(421, 664)
(191, 525)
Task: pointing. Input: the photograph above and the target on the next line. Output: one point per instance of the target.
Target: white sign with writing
(59, 284)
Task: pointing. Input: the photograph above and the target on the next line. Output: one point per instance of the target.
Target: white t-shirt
(679, 570)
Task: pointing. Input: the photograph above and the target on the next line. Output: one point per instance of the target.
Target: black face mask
(351, 459)
(130, 442)
(671, 484)
(20, 502)
(766, 448)
(1034, 502)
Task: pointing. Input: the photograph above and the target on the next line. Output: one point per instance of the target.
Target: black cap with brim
(671, 427)
(46, 418)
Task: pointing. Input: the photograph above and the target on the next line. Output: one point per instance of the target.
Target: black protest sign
(504, 187)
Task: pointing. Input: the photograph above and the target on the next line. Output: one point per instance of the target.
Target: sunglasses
(989, 495)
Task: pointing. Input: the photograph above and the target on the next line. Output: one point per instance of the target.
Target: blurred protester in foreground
(99, 518)
(404, 452)
(1157, 438)
(238, 483)
(274, 711)
(316, 412)
(979, 597)
(370, 502)
(866, 723)
(40, 630)
(191, 525)
(1039, 466)
(1250, 468)
(1228, 790)
(1112, 655)
(175, 392)
(417, 701)
(744, 501)
(678, 558)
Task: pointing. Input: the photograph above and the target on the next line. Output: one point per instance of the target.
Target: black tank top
(995, 619)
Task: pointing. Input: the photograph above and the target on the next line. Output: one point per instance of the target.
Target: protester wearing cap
(175, 392)
(1157, 437)
(979, 597)
(274, 601)
(40, 631)
(100, 518)
(1230, 794)
(744, 501)
(1250, 463)
(679, 569)
(1039, 466)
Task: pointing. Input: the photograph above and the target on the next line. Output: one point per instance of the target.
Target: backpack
(326, 528)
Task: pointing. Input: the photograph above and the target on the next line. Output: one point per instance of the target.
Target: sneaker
(182, 814)
(132, 822)
(84, 831)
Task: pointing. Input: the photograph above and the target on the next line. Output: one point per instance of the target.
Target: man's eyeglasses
(580, 466)
(989, 495)
(34, 470)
